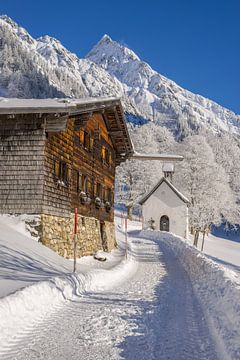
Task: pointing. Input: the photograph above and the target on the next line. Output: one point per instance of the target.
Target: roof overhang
(159, 157)
(45, 106)
(57, 111)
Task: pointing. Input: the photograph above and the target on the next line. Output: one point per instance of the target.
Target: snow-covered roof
(111, 107)
(64, 105)
(163, 157)
(163, 179)
(168, 167)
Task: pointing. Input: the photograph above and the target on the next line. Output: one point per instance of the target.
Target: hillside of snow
(158, 98)
(125, 303)
(109, 69)
(160, 114)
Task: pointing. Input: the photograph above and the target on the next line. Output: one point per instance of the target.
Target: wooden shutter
(81, 136)
(86, 184)
(68, 174)
(91, 143)
(56, 168)
(103, 153)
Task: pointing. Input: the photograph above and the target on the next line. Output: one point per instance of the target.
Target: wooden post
(122, 221)
(126, 237)
(75, 238)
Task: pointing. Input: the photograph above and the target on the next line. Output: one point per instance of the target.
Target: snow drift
(38, 301)
(217, 288)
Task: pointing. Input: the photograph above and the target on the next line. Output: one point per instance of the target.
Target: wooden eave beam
(55, 124)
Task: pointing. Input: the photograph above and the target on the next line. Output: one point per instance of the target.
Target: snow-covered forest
(208, 175)
(162, 117)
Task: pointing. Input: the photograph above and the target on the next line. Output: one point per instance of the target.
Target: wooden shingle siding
(58, 147)
(21, 164)
(39, 168)
(66, 146)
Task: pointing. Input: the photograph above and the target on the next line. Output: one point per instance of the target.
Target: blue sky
(195, 43)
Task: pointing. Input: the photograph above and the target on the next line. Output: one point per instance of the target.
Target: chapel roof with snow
(170, 185)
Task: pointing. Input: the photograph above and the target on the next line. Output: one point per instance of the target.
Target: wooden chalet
(58, 155)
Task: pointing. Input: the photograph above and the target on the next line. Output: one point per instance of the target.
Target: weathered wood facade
(57, 156)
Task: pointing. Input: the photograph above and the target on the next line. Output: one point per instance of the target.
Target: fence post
(75, 238)
(126, 237)
(203, 238)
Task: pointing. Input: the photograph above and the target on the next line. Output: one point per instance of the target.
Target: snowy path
(153, 315)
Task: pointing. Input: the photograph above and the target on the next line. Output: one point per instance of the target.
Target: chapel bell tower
(168, 171)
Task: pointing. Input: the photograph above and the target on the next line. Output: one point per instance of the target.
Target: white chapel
(165, 208)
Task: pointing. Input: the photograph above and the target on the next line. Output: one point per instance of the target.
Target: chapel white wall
(164, 201)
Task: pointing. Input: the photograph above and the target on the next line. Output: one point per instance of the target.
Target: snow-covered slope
(63, 315)
(155, 96)
(45, 68)
(41, 68)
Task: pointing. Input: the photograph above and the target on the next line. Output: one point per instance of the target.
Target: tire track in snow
(153, 315)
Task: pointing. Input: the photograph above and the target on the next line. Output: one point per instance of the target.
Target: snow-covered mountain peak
(18, 30)
(109, 53)
(105, 38)
(55, 53)
(9, 21)
(49, 40)
(110, 69)
(157, 97)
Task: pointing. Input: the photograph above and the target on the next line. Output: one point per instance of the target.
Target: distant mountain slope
(165, 112)
(158, 98)
(45, 68)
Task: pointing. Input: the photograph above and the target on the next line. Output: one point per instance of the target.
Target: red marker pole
(75, 238)
(126, 237)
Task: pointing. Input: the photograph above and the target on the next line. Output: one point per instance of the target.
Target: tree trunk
(196, 237)
(129, 212)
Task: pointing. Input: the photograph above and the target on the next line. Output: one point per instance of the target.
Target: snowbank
(28, 306)
(217, 287)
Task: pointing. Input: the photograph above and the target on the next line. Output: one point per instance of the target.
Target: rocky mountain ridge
(109, 69)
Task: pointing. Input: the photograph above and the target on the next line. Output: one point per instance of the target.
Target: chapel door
(164, 223)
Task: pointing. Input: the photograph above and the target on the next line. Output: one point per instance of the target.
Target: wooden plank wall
(27, 156)
(22, 142)
(66, 146)
(59, 147)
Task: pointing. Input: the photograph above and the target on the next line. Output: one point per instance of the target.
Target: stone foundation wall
(57, 234)
(111, 238)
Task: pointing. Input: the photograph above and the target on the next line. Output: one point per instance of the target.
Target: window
(106, 155)
(81, 136)
(99, 190)
(82, 183)
(62, 171)
(91, 143)
(90, 187)
(109, 195)
(79, 181)
(85, 183)
(103, 153)
(85, 140)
